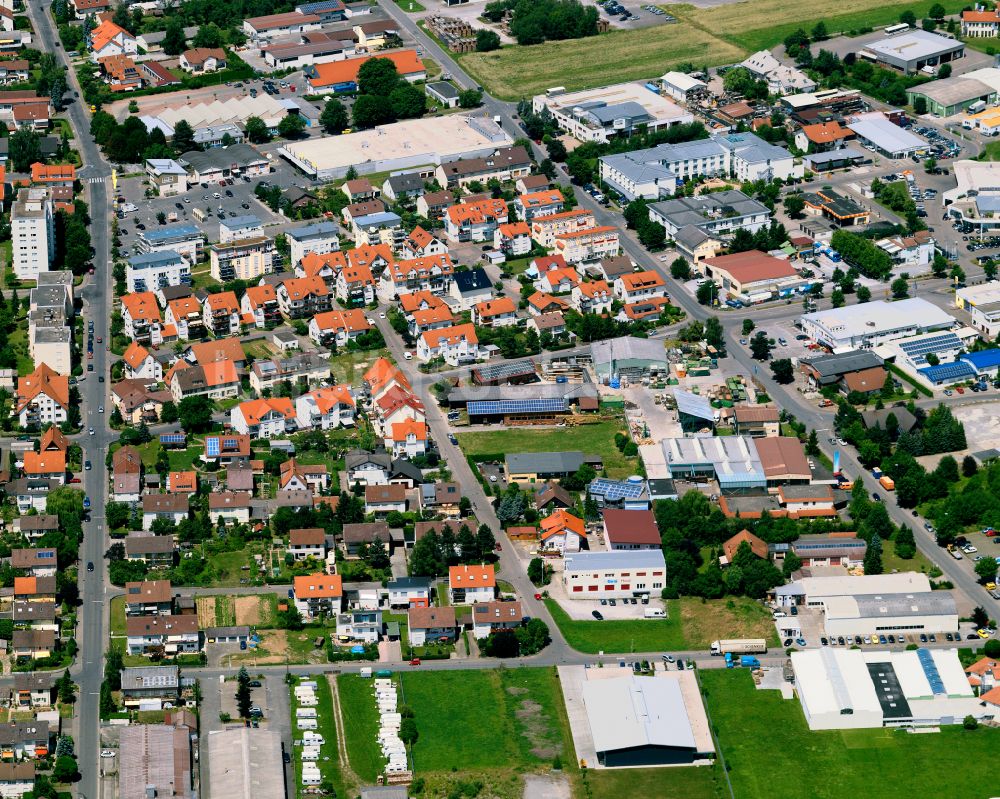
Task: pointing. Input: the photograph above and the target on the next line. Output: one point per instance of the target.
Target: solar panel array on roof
(931, 671)
(616, 489)
(212, 446)
(959, 370)
(172, 438)
(917, 351)
(500, 407)
(504, 370)
(826, 543)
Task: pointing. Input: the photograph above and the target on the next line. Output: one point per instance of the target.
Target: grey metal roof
(690, 236)
(138, 677)
(836, 365)
(238, 222)
(221, 157)
(628, 348)
(568, 391)
(708, 207)
(638, 171)
(543, 462)
(928, 603)
(319, 229)
(409, 582)
(609, 113)
(180, 231)
(618, 559)
(162, 258)
(632, 712)
(443, 89)
(694, 405)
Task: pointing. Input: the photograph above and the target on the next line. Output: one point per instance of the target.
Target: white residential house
(407, 438)
(457, 345)
(307, 543)
(168, 634)
(639, 286)
(513, 239)
(325, 408)
(471, 584)
(490, 617)
(360, 625)
(140, 363)
(595, 296)
(262, 418)
(150, 271)
(32, 233)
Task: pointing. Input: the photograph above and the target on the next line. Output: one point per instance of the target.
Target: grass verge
(357, 703)
(691, 623)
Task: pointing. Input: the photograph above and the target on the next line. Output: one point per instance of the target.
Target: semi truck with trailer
(739, 646)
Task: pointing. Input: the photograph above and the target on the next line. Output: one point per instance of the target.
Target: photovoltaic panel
(931, 671)
(949, 371)
(616, 489)
(212, 446)
(500, 407)
(172, 438)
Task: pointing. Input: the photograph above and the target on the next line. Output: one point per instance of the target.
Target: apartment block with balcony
(242, 259)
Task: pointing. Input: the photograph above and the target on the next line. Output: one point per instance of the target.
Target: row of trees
(862, 254)
(435, 552)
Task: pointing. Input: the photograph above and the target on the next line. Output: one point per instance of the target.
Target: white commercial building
(245, 763)
(600, 114)
(681, 87)
(982, 303)
(877, 132)
(646, 721)
(401, 145)
(32, 232)
(842, 689)
(869, 324)
(613, 575)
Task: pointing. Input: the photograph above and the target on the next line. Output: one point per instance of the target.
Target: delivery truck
(746, 661)
(887, 482)
(739, 646)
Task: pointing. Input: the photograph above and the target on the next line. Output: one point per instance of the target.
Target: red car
(538, 596)
(74, 479)
(959, 389)
(415, 662)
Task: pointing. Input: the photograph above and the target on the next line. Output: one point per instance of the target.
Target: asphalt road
(96, 294)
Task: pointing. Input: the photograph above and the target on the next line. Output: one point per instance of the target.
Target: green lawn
(410, 5)
(890, 562)
(773, 755)
(329, 762)
(591, 439)
(181, 460)
(118, 616)
(522, 705)
(690, 624)
(18, 341)
(723, 34)
(228, 566)
(700, 782)
(357, 703)
(991, 150)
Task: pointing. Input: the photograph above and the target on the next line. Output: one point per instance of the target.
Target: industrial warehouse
(844, 689)
(621, 720)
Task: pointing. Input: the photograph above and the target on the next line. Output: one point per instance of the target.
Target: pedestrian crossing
(95, 180)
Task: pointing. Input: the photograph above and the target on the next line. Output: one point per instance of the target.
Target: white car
(381, 316)
(408, 355)
(493, 478)
(370, 321)
(970, 550)
(91, 431)
(107, 753)
(100, 409)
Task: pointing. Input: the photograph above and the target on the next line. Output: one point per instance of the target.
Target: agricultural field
(690, 624)
(723, 34)
(772, 754)
(591, 439)
(514, 72)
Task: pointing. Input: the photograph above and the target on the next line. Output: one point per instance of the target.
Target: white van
(654, 613)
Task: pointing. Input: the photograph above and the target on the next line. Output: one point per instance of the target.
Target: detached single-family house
(409, 592)
(385, 499)
(165, 635)
(307, 543)
(318, 594)
(490, 617)
(431, 624)
(456, 345)
(563, 532)
(469, 584)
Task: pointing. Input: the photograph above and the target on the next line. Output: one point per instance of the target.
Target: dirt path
(351, 779)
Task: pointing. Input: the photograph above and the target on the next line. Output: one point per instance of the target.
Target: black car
(286, 757)
(787, 642)
(949, 637)
(840, 640)
(140, 226)
(100, 379)
(972, 637)
(255, 683)
(923, 638)
(229, 193)
(597, 615)
(179, 206)
(90, 566)
(857, 640)
(876, 497)
(823, 641)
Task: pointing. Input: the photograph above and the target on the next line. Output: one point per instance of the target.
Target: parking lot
(271, 697)
(241, 202)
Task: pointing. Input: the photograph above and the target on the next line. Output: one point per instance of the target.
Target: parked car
(597, 615)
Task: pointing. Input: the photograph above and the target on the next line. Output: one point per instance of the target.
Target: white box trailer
(740, 646)
(313, 739)
(305, 713)
(306, 724)
(310, 754)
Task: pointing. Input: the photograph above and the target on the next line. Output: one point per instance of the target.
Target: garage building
(642, 721)
(865, 326)
(951, 96)
(910, 52)
(898, 614)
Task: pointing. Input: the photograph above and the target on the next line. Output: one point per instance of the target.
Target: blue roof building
(984, 361)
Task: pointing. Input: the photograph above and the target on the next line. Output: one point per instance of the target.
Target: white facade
(32, 232)
(153, 271)
(321, 238)
(613, 575)
(867, 325)
(843, 688)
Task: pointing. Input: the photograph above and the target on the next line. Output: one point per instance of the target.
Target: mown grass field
(715, 36)
(690, 624)
(514, 72)
(590, 439)
(523, 706)
(772, 754)
(357, 707)
(701, 782)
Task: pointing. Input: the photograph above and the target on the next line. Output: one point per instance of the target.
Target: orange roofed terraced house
(45, 464)
(53, 174)
(342, 76)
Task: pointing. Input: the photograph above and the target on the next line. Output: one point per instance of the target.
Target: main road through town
(96, 297)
